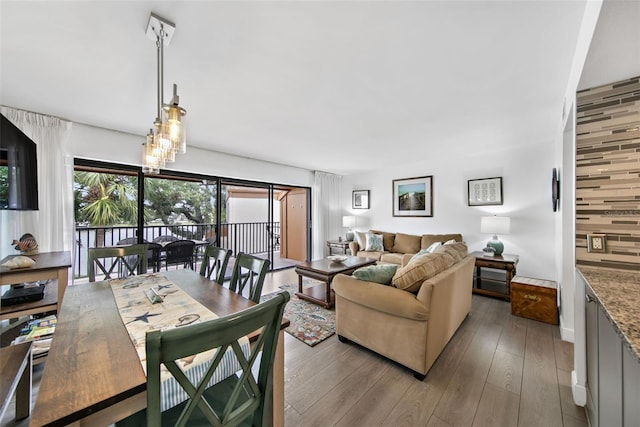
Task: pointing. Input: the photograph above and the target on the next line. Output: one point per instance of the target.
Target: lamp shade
(495, 224)
(349, 221)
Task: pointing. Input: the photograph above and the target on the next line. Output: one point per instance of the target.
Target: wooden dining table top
(92, 363)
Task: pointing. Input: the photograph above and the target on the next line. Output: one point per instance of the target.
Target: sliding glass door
(117, 204)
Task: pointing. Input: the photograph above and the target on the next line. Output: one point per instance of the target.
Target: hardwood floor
(497, 370)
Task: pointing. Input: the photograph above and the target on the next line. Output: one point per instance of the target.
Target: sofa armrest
(379, 297)
(354, 248)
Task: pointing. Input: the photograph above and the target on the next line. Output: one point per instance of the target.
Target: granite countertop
(619, 294)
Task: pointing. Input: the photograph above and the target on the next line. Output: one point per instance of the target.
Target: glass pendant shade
(151, 156)
(172, 119)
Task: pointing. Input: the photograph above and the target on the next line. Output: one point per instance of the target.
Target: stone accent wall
(608, 173)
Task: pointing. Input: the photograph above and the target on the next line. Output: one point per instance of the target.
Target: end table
(338, 244)
(493, 285)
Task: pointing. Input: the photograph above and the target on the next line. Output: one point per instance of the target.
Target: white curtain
(327, 211)
(51, 225)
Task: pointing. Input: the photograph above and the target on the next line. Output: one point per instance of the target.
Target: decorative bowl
(337, 258)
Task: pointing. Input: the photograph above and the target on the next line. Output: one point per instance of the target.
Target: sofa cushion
(406, 243)
(429, 239)
(387, 239)
(382, 273)
(370, 254)
(457, 250)
(392, 257)
(374, 242)
(411, 276)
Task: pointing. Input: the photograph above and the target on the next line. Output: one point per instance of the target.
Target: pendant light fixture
(167, 136)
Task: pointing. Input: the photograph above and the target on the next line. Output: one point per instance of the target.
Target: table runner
(178, 309)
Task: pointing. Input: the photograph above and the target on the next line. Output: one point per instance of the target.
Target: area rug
(310, 323)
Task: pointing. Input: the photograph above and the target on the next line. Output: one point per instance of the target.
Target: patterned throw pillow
(374, 243)
(382, 273)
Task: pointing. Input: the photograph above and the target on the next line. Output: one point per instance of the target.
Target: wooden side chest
(534, 299)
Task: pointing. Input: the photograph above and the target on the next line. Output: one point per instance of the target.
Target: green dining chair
(241, 399)
(249, 270)
(127, 259)
(214, 263)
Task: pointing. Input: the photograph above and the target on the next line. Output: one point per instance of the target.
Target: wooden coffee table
(325, 270)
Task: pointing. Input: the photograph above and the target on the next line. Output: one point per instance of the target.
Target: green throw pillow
(374, 243)
(382, 273)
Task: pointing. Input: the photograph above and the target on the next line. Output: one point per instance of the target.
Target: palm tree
(106, 199)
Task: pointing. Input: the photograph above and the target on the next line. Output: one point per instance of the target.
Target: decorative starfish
(143, 317)
(164, 286)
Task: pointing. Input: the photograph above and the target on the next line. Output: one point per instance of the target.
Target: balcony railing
(247, 237)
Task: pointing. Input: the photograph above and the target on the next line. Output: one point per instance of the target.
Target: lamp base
(349, 236)
(496, 245)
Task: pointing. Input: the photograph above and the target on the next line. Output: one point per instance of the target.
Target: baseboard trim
(567, 334)
(579, 391)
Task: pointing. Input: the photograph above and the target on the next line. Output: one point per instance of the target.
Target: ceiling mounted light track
(167, 136)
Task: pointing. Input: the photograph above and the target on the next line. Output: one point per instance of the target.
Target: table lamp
(349, 221)
(495, 225)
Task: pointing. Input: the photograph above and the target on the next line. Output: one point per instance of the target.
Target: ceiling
(314, 84)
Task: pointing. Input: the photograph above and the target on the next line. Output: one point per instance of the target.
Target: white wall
(101, 144)
(526, 174)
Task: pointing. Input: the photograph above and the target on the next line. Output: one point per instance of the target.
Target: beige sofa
(398, 245)
(410, 326)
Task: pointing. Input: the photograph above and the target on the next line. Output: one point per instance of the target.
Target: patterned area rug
(310, 323)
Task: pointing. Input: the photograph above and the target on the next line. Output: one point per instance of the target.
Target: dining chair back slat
(127, 259)
(250, 271)
(180, 252)
(244, 398)
(214, 263)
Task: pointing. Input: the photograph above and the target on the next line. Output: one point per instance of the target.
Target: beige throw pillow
(457, 250)
(411, 276)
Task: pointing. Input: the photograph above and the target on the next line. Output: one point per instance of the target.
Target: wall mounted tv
(18, 169)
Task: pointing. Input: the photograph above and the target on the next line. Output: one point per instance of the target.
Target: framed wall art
(485, 192)
(360, 199)
(413, 196)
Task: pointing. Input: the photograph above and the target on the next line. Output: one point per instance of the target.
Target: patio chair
(154, 256)
(180, 252)
(275, 238)
(214, 263)
(249, 270)
(128, 260)
(242, 398)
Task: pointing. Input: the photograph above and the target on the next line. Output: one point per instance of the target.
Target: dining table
(93, 375)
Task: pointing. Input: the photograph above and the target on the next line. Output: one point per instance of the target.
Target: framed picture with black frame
(413, 196)
(360, 199)
(485, 191)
